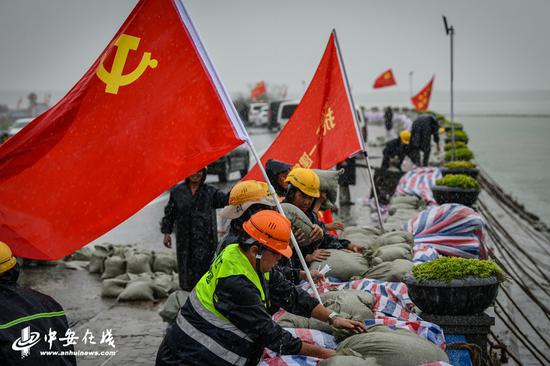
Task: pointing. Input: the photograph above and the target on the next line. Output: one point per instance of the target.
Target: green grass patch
(454, 268)
(463, 153)
(460, 165)
(458, 181)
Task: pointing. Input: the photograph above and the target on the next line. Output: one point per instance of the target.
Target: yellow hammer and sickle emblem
(115, 79)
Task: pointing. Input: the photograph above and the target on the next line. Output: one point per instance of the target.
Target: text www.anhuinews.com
(78, 353)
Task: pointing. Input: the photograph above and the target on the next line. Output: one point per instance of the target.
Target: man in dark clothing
(398, 147)
(345, 180)
(227, 317)
(388, 120)
(277, 172)
(27, 320)
(423, 128)
(191, 213)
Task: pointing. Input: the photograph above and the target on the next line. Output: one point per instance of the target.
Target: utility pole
(450, 31)
(410, 84)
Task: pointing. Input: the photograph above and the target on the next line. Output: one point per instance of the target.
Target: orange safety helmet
(270, 229)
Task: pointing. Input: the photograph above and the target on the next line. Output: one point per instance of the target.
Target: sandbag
(343, 265)
(162, 284)
(359, 238)
(388, 253)
(365, 230)
(410, 200)
(351, 304)
(353, 359)
(164, 262)
(114, 266)
(138, 290)
(112, 287)
(392, 347)
(298, 219)
(97, 259)
(138, 263)
(289, 320)
(394, 237)
(390, 271)
(120, 249)
(329, 183)
(173, 305)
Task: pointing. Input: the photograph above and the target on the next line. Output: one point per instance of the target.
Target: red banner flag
(322, 130)
(133, 126)
(386, 79)
(258, 90)
(421, 101)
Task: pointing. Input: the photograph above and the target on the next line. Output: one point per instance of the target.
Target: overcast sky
(500, 44)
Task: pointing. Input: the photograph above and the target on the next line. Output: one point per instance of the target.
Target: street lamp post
(450, 31)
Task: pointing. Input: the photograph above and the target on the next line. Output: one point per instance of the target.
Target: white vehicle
(285, 111)
(254, 112)
(18, 125)
(263, 116)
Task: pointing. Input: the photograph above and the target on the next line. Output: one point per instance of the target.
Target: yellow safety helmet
(306, 180)
(405, 137)
(248, 190)
(441, 130)
(7, 260)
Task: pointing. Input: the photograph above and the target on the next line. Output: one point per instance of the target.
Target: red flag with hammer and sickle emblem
(149, 112)
(322, 130)
(421, 101)
(386, 79)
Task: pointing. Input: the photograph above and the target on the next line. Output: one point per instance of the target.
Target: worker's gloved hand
(348, 324)
(335, 226)
(300, 236)
(316, 233)
(167, 241)
(318, 277)
(318, 255)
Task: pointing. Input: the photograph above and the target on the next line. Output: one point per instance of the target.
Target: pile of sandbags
(388, 253)
(131, 274)
(401, 209)
(173, 305)
(391, 347)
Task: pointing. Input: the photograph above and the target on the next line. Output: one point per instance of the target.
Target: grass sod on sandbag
(393, 271)
(457, 145)
(392, 347)
(299, 220)
(464, 154)
(458, 181)
(460, 165)
(343, 264)
(455, 268)
(459, 135)
(388, 253)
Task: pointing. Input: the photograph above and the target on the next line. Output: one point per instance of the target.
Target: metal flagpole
(363, 145)
(280, 209)
(450, 31)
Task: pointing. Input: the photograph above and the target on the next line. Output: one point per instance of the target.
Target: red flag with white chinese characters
(258, 90)
(132, 127)
(386, 79)
(421, 101)
(322, 131)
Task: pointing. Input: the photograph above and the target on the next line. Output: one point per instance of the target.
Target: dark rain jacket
(273, 168)
(388, 119)
(349, 176)
(394, 148)
(239, 301)
(423, 128)
(193, 219)
(21, 308)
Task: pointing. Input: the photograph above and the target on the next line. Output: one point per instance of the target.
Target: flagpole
(281, 211)
(451, 32)
(363, 145)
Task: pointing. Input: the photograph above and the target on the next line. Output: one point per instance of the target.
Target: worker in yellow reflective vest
(226, 319)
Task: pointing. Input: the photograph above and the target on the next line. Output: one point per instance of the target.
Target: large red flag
(421, 101)
(258, 90)
(386, 79)
(149, 112)
(322, 130)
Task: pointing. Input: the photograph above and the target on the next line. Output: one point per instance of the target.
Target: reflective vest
(222, 342)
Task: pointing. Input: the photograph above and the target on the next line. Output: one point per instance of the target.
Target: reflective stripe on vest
(209, 343)
(28, 318)
(214, 320)
(230, 262)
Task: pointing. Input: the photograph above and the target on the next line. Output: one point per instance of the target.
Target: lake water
(509, 133)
